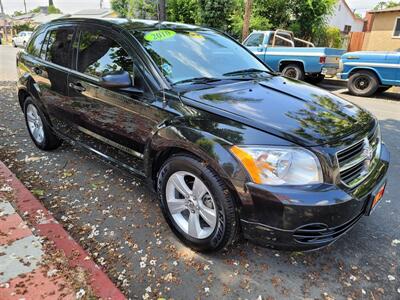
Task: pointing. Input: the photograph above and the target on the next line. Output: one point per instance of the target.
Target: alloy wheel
(35, 123)
(191, 204)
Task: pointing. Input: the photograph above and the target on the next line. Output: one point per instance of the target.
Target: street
(117, 221)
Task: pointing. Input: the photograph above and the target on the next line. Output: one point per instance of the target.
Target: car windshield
(183, 55)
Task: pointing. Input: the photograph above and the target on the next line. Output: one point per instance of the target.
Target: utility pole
(101, 3)
(25, 6)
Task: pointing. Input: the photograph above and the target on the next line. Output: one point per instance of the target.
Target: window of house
(396, 32)
(56, 48)
(347, 29)
(99, 55)
(255, 40)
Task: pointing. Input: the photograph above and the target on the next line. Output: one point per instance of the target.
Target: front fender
(212, 150)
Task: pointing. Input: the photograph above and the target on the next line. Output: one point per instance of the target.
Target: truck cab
(369, 72)
(293, 57)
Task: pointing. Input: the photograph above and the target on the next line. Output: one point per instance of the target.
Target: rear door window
(57, 46)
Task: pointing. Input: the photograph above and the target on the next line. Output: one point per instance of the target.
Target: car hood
(284, 107)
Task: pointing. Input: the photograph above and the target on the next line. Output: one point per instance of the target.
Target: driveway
(118, 221)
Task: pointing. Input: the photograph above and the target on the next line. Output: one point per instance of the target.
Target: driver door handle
(77, 87)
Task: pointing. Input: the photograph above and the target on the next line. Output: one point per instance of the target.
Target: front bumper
(310, 217)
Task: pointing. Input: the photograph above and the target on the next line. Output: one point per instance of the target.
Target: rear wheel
(363, 83)
(40, 132)
(293, 71)
(197, 205)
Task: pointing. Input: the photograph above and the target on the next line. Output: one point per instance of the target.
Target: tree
(184, 11)
(161, 10)
(216, 13)
(248, 7)
(120, 7)
(386, 4)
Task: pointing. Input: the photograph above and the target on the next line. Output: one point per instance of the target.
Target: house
(95, 13)
(344, 19)
(382, 31)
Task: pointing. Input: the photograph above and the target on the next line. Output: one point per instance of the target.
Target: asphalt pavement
(119, 223)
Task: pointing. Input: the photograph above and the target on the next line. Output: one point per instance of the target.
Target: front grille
(356, 161)
(321, 233)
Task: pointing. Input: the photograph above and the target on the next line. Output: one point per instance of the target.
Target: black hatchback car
(229, 146)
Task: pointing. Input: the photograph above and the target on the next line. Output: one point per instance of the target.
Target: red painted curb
(46, 226)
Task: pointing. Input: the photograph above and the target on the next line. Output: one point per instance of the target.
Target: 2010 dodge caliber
(230, 147)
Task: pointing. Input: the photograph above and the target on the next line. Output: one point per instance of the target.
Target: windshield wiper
(197, 80)
(246, 71)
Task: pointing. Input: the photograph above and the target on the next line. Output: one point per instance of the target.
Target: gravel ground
(118, 221)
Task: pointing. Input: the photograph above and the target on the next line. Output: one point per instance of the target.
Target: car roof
(130, 24)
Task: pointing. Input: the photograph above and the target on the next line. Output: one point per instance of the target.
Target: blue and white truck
(293, 57)
(369, 72)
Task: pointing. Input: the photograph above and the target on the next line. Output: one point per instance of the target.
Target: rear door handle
(77, 87)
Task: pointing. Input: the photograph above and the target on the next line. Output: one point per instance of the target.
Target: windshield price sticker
(159, 35)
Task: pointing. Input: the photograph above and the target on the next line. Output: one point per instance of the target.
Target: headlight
(279, 165)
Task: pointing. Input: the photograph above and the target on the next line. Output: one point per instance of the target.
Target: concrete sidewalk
(38, 259)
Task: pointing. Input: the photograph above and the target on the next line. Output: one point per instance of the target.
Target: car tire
(363, 83)
(39, 130)
(315, 78)
(220, 203)
(293, 71)
(383, 89)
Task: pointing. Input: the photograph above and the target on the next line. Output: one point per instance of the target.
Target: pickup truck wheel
(40, 132)
(383, 89)
(293, 71)
(363, 83)
(197, 205)
(315, 78)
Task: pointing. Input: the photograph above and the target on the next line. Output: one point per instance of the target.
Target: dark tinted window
(36, 44)
(255, 40)
(58, 44)
(99, 55)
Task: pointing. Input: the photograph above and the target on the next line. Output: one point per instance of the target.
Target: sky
(71, 6)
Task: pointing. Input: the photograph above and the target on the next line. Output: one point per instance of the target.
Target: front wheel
(293, 71)
(197, 205)
(363, 84)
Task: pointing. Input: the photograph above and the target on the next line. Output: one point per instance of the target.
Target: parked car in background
(229, 146)
(369, 72)
(280, 51)
(21, 39)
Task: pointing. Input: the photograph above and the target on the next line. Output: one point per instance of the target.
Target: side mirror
(120, 79)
